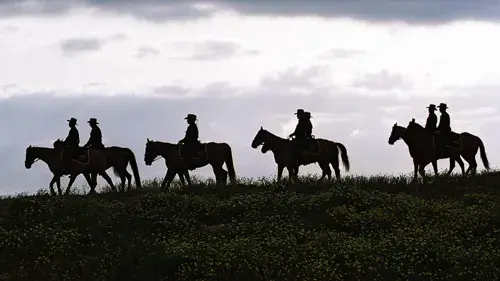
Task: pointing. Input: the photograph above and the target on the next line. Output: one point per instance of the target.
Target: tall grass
(358, 228)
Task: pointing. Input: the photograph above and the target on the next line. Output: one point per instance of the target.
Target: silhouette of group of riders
(300, 148)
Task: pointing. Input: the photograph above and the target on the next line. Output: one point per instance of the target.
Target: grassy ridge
(377, 228)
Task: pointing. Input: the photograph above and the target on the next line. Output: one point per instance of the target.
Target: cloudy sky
(141, 66)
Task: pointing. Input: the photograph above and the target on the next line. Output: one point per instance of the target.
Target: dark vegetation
(377, 228)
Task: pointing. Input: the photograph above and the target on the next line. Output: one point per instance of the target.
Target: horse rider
(444, 128)
(190, 142)
(431, 123)
(308, 125)
(300, 134)
(95, 139)
(72, 142)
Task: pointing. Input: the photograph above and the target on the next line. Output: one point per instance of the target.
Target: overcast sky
(141, 66)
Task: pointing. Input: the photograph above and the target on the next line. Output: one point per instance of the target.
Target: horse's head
(58, 144)
(259, 138)
(30, 157)
(151, 152)
(396, 133)
(265, 147)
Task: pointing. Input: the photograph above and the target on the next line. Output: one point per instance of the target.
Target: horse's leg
(93, 178)
(188, 178)
(181, 178)
(280, 173)
(468, 168)
(89, 179)
(336, 167)
(472, 165)
(169, 176)
(122, 183)
(325, 167)
(291, 174)
(220, 174)
(435, 166)
(58, 183)
(468, 158)
(452, 165)
(128, 176)
(108, 180)
(51, 185)
(461, 164)
(72, 179)
(415, 170)
(421, 170)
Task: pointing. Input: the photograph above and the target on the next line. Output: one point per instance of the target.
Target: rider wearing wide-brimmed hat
(71, 143)
(431, 123)
(190, 141)
(300, 133)
(444, 120)
(95, 139)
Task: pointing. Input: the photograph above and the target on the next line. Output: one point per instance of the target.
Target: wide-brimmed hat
(432, 106)
(191, 116)
(72, 120)
(299, 112)
(92, 121)
(443, 105)
(307, 114)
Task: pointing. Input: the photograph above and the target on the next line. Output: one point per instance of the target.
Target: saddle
(193, 151)
(308, 145)
(79, 154)
(442, 142)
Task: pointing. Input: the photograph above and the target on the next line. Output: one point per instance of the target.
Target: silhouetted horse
(53, 159)
(118, 158)
(326, 154)
(424, 148)
(95, 164)
(216, 154)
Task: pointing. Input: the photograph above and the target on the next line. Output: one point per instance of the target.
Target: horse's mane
(269, 133)
(415, 125)
(160, 143)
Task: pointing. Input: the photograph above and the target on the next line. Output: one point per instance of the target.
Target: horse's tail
(482, 152)
(133, 164)
(344, 156)
(230, 163)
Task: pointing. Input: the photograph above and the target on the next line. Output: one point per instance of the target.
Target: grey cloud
(6, 87)
(117, 37)
(382, 81)
(79, 45)
(94, 84)
(40, 7)
(171, 90)
(410, 11)
(75, 46)
(342, 53)
(128, 120)
(297, 80)
(9, 29)
(146, 51)
(214, 50)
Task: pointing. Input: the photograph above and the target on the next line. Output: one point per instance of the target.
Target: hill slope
(360, 229)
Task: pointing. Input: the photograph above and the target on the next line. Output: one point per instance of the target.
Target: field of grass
(376, 228)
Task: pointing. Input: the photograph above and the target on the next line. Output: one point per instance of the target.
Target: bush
(359, 228)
